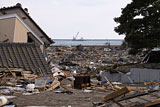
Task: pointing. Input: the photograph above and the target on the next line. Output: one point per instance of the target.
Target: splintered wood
(7, 74)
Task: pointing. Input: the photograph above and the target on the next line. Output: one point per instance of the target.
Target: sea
(87, 42)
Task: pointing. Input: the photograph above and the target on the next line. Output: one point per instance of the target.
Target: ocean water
(86, 42)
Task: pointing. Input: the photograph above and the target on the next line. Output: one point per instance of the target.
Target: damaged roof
(23, 55)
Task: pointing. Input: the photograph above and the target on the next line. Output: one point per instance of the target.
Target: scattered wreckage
(65, 77)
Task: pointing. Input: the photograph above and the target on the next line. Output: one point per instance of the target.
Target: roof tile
(23, 55)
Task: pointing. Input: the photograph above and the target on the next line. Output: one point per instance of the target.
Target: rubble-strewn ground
(77, 99)
(88, 60)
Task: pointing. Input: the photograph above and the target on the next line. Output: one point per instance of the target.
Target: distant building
(17, 26)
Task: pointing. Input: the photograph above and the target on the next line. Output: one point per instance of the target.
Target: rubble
(94, 61)
(90, 58)
(75, 70)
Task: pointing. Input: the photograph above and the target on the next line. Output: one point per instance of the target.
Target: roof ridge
(17, 5)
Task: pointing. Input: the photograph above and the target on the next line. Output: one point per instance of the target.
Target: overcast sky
(62, 19)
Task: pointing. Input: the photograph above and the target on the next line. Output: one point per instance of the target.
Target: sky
(62, 19)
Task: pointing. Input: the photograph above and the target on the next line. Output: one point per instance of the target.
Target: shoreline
(85, 45)
(86, 42)
(94, 39)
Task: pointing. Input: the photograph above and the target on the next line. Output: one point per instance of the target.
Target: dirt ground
(52, 99)
(80, 99)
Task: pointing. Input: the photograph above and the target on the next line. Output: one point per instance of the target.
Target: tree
(140, 23)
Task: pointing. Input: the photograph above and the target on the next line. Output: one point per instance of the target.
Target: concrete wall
(20, 34)
(7, 27)
(115, 77)
(141, 75)
(136, 75)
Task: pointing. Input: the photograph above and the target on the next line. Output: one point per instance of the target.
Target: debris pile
(90, 58)
(85, 66)
(83, 69)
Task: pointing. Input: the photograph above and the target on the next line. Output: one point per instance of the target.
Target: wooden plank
(13, 74)
(138, 94)
(26, 72)
(116, 94)
(54, 84)
(109, 82)
(27, 76)
(153, 103)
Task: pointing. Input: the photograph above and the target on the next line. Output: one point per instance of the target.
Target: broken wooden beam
(116, 94)
(134, 96)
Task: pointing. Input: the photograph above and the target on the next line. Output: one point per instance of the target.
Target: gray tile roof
(23, 55)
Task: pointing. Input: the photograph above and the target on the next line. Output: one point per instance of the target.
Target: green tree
(140, 23)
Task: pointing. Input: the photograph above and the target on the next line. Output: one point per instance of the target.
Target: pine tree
(140, 23)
